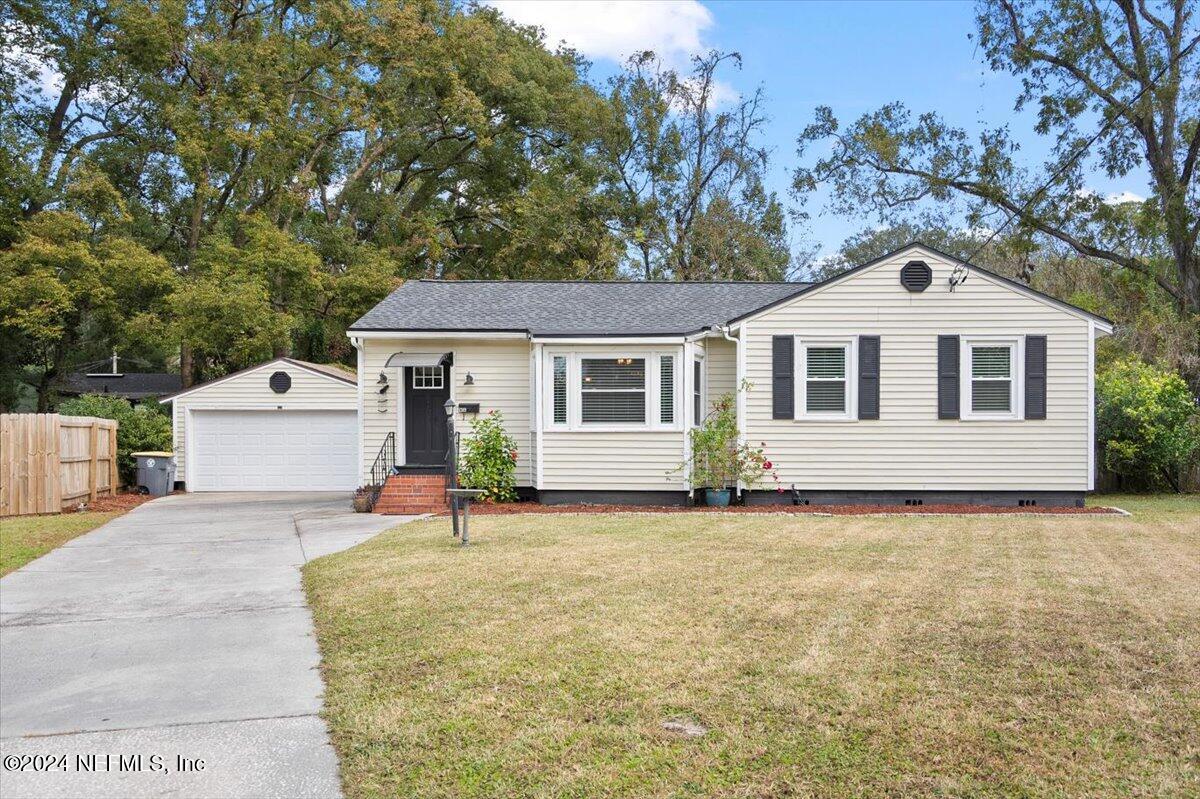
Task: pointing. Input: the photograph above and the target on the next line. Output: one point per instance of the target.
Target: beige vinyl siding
(612, 461)
(909, 448)
(722, 369)
(251, 390)
(502, 382)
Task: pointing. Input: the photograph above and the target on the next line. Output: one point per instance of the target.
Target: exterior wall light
(470, 381)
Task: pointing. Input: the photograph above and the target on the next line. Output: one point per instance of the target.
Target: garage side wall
(251, 390)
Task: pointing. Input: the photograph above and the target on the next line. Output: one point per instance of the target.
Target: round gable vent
(281, 382)
(916, 276)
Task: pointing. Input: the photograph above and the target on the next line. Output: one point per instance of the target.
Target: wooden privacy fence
(50, 462)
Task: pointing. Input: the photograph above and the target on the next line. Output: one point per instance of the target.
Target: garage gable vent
(281, 382)
(916, 276)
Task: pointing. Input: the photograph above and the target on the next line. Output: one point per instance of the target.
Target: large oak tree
(1118, 81)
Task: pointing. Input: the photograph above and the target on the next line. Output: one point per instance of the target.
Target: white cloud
(1124, 197)
(613, 30)
(1113, 198)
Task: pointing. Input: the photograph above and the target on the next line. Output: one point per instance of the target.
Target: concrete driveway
(177, 633)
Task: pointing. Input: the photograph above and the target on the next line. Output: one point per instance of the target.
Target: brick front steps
(411, 494)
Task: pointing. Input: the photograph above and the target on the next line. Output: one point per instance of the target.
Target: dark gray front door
(426, 389)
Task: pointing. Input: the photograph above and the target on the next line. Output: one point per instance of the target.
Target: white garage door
(273, 451)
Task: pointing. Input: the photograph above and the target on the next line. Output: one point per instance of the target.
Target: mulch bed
(126, 501)
(506, 509)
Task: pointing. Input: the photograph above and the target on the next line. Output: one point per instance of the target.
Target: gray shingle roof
(569, 307)
(132, 385)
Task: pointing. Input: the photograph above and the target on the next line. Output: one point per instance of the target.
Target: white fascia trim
(251, 370)
(434, 334)
(1106, 328)
(650, 341)
(1049, 301)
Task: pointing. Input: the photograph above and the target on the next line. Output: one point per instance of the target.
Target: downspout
(361, 363)
(738, 394)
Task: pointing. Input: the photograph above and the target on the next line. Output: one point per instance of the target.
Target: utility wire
(959, 274)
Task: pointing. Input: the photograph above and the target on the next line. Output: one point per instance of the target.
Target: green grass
(848, 656)
(24, 538)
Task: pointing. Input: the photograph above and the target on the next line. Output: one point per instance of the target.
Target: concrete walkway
(176, 631)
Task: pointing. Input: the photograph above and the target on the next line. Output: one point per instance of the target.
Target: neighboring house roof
(131, 385)
(330, 370)
(610, 308)
(568, 308)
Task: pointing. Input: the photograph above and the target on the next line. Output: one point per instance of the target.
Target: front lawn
(24, 538)
(1042, 656)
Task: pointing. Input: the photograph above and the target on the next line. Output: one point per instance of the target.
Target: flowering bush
(719, 459)
(489, 459)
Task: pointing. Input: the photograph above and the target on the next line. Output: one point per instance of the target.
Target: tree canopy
(1116, 85)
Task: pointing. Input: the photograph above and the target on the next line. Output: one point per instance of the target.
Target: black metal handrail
(380, 469)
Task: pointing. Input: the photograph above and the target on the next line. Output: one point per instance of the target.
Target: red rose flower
(767, 465)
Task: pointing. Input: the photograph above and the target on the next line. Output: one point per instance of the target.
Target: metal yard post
(451, 464)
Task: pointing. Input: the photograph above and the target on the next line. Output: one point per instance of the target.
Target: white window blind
(825, 379)
(613, 390)
(666, 389)
(991, 379)
(560, 389)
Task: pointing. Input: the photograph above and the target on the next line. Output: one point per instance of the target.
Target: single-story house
(914, 378)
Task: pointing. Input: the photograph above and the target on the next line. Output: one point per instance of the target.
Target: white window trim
(1016, 403)
(575, 390)
(701, 389)
(800, 378)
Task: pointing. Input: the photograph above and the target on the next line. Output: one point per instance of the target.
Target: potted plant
(720, 460)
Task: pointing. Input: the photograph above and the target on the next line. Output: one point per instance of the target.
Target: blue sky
(852, 56)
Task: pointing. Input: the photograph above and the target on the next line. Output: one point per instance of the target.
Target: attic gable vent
(280, 382)
(916, 276)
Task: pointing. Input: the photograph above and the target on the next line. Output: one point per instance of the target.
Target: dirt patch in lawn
(834, 510)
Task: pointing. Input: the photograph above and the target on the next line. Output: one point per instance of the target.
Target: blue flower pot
(716, 497)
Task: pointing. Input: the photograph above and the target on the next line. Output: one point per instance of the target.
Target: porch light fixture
(470, 381)
(449, 406)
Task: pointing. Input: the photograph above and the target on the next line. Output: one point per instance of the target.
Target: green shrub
(145, 427)
(489, 459)
(1146, 423)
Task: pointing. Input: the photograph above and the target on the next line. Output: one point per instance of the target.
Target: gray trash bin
(155, 472)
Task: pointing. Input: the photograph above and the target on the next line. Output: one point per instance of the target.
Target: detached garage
(285, 425)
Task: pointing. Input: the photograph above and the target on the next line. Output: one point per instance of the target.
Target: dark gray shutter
(1035, 377)
(868, 377)
(783, 377)
(947, 377)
